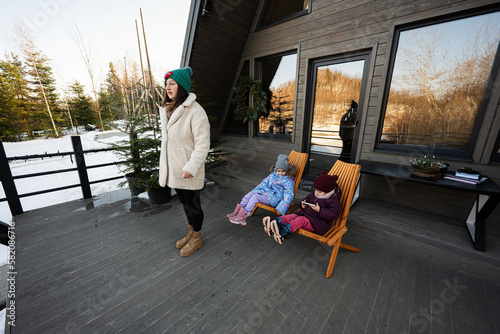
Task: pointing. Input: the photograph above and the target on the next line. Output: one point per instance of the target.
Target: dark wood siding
(339, 27)
(217, 47)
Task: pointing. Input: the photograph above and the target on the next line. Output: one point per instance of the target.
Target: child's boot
(279, 230)
(235, 212)
(267, 225)
(240, 218)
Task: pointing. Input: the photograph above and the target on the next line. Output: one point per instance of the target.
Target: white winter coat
(184, 145)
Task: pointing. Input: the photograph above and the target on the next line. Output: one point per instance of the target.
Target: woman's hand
(186, 175)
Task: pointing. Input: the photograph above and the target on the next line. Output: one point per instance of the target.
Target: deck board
(109, 265)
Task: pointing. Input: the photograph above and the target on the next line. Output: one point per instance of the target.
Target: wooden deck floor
(107, 265)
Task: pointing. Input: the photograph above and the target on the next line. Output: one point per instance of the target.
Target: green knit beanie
(182, 76)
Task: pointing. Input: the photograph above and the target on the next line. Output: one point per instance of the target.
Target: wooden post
(82, 168)
(151, 83)
(8, 184)
(147, 58)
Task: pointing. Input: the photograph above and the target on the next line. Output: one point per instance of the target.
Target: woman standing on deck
(184, 147)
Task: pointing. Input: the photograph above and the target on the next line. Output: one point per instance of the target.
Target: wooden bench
(487, 194)
(348, 179)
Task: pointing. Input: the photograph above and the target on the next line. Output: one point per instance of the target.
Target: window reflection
(336, 87)
(438, 82)
(278, 74)
(236, 126)
(280, 10)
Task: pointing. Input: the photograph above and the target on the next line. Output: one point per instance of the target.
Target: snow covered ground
(90, 140)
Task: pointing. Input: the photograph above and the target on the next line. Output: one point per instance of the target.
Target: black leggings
(190, 200)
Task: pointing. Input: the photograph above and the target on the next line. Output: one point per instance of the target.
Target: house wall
(337, 27)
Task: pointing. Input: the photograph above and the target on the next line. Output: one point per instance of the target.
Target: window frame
(448, 153)
(226, 128)
(284, 137)
(495, 155)
(265, 10)
(364, 55)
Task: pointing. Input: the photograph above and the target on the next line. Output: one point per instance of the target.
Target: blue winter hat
(282, 162)
(182, 76)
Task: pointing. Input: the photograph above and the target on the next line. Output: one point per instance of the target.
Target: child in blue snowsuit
(276, 190)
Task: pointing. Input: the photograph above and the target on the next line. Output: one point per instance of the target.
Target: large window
(337, 85)
(276, 11)
(277, 74)
(438, 88)
(232, 125)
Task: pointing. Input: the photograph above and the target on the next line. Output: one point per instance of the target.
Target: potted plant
(426, 167)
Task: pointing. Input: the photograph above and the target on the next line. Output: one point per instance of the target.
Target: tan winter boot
(193, 245)
(182, 242)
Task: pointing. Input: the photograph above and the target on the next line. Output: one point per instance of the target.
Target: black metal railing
(330, 135)
(9, 186)
(7, 179)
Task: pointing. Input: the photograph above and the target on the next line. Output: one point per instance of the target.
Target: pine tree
(14, 100)
(42, 85)
(7, 101)
(80, 105)
(111, 98)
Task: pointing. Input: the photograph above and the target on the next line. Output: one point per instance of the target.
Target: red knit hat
(325, 182)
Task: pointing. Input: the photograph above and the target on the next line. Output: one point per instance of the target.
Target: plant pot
(433, 169)
(159, 195)
(431, 172)
(133, 189)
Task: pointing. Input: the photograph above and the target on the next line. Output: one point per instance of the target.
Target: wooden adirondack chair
(348, 179)
(299, 161)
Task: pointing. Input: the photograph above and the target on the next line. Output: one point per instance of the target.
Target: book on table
(465, 179)
(472, 176)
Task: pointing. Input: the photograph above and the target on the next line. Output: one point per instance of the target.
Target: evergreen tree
(7, 101)
(14, 100)
(80, 105)
(42, 85)
(111, 99)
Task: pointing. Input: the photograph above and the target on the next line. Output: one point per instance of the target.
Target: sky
(107, 28)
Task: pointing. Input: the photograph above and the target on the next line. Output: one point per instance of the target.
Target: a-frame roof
(216, 35)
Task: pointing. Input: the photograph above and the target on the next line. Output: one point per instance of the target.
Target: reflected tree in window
(277, 74)
(439, 79)
(336, 86)
(232, 124)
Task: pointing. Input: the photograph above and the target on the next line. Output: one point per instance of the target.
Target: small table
(487, 194)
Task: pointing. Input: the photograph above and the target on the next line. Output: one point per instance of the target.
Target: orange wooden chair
(348, 179)
(299, 161)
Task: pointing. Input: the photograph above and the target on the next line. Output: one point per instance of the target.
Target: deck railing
(7, 179)
(9, 186)
(330, 138)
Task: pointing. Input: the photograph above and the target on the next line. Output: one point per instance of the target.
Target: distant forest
(334, 93)
(31, 106)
